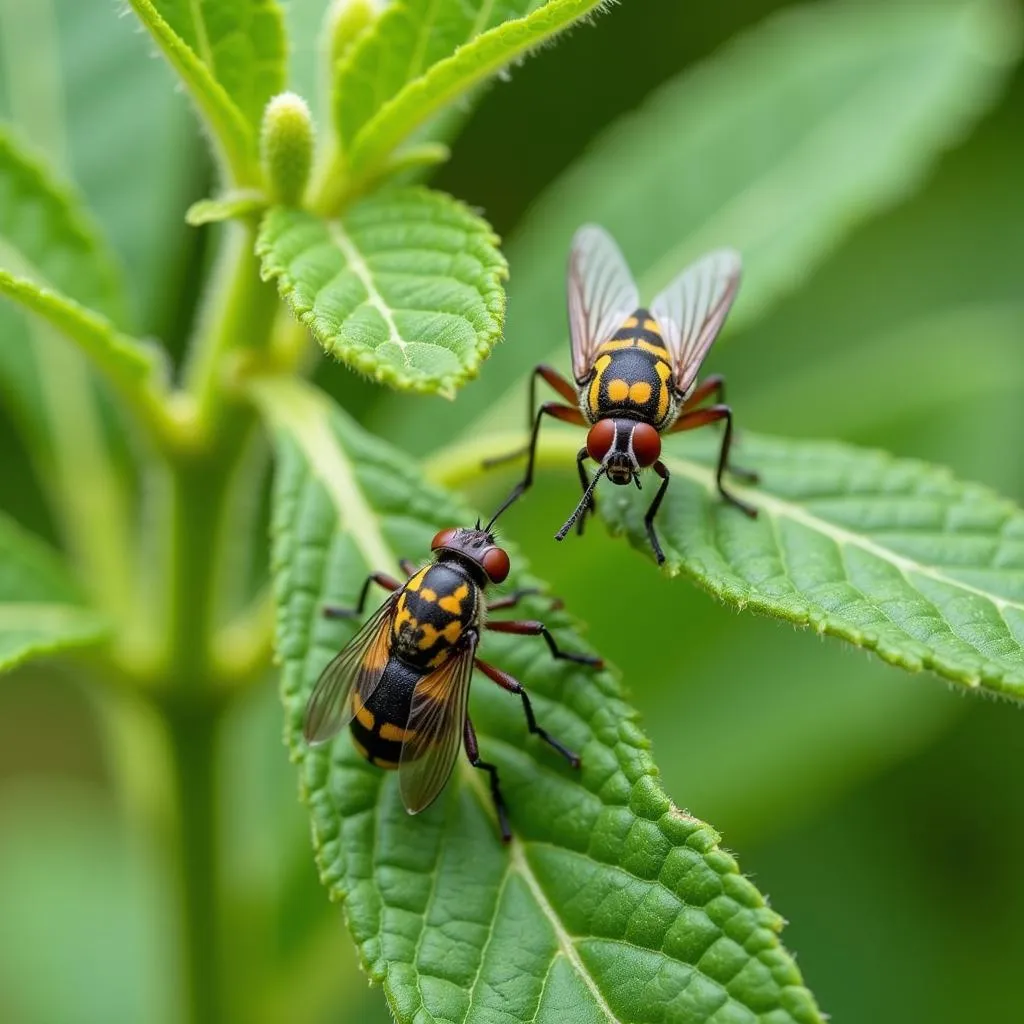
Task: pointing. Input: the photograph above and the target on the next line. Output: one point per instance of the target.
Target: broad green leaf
(778, 146)
(609, 901)
(242, 42)
(890, 554)
(420, 55)
(234, 137)
(41, 611)
(406, 287)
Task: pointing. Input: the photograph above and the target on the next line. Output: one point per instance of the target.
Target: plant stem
(457, 464)
(192, 733)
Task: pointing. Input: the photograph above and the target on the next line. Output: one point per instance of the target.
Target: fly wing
(436, 721)
(692, 309)
(359, 666)
(602, 294)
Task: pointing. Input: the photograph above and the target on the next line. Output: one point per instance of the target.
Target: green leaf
(132, 369)
(238, 205)
(234, 136)
(890, 554)
(406, 287)
(420, 55)
(44, 229)
(609, 900)
(41, 611)
(242, 42)
(778, 147)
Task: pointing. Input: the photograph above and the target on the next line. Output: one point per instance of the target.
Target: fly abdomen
(380, 725)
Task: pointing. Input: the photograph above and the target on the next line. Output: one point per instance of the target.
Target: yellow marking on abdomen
(388, 766)
(396, 733)
(453, 602)
(655, 350)
(428, 595)
(363, 714)
(618, 390)
(640, 392)
(417, 581)
(361, 750)
(617, 346)
(652, 326)
(595, 385)
(431, 635)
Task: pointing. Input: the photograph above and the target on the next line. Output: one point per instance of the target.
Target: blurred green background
(881, 812)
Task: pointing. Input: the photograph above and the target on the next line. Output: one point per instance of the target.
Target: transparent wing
(601, 294)
(436, 719)
(360, 666)
(692, 309)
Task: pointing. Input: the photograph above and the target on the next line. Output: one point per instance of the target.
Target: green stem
(192, 734)
(458, 464)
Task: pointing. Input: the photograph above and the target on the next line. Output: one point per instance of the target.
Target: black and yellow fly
(402, 683)
(635, 371)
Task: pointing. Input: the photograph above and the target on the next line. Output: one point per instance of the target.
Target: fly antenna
(582, 506)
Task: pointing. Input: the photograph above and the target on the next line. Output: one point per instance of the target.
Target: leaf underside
(41, 611)
(609, 905)
(891, 554)
(406, 287)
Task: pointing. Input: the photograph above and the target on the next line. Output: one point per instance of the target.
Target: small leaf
(890, 554)
(406, 287)
(237, 205)
(233, 134)
(421, 55)
(609, 901)
(242, 42)
(41, 611)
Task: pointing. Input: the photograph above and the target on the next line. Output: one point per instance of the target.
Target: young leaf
(40, 609)
(609, 899)
(234, 136)
(778, 146)
(406, 287)
(242, 42)
(237, 205)
(890, 554)
(421, 55)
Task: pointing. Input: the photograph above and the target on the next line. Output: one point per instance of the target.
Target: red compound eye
(443, 538)
(646, 444)
(600, 439)
(496, 565)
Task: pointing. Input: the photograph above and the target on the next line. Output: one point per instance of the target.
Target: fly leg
(511, 600)
(700, 418)
(530, 627)
(408, 566)
(332, 611)
(510, 683)
(473, 753)
(715, 386)
(662, 470)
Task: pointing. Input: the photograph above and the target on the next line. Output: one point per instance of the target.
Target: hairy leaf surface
(777, 146)
(420, 55)
(41, 611)
(890, 554)
(609, 901)
(406, 287)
